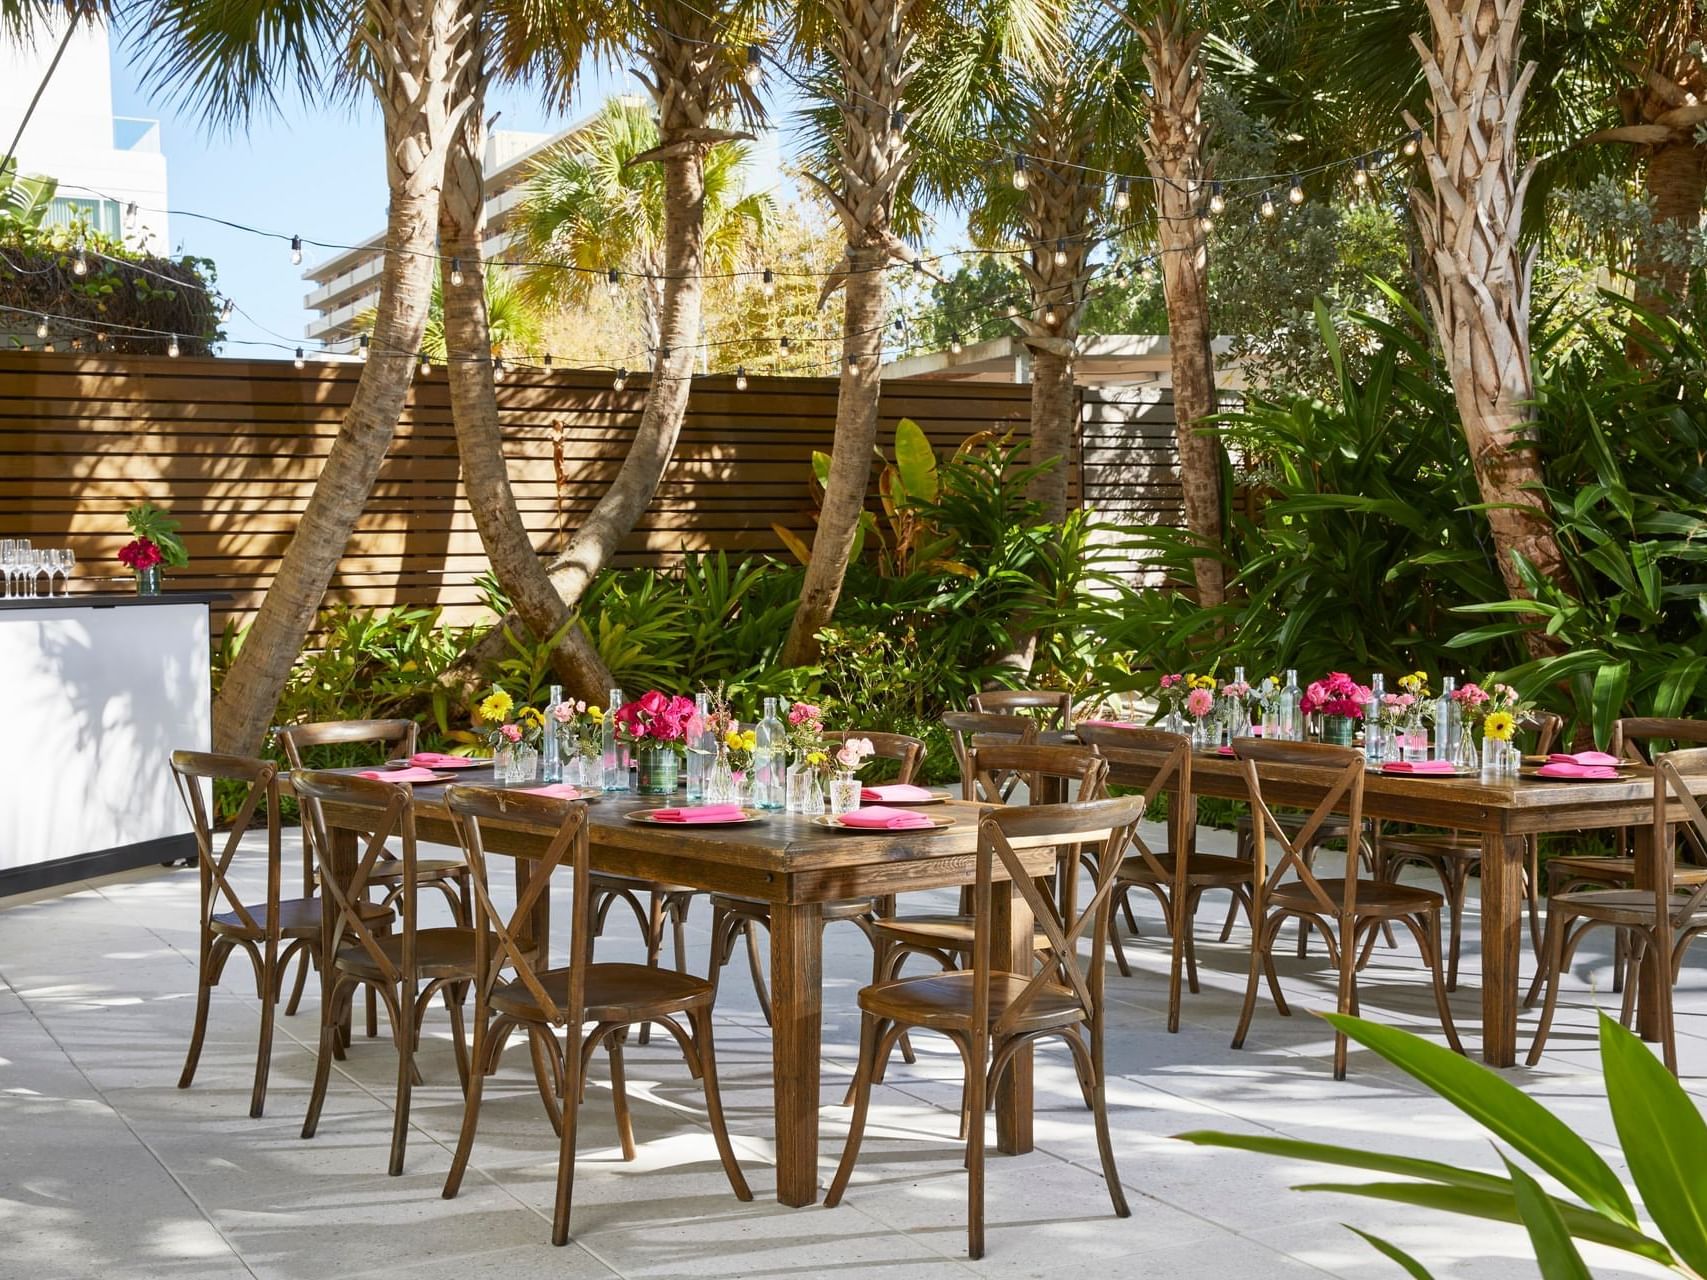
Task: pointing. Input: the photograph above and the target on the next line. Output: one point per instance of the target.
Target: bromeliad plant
(1659, 1127)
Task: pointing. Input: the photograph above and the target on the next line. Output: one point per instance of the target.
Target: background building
(347, 284)
(110, 169)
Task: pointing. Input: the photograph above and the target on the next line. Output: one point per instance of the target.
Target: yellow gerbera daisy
(734, 740)
(1500, 725)
(496, 706)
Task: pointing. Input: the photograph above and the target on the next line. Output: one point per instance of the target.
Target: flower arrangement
(806, 737)
(1415, 684)
(1267, 693)
(1200, 703)
(854, 752)
(657, 720)
(153, 531)
(511, 725)
(140, 554)
(1498, 707)
(579, 724)
(1396, 708)
(1337, 695)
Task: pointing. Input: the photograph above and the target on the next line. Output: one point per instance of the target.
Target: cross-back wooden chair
(1634, 738)
(227, 923)
(1056, 706)
(971, 728)
(1455, 855)
(1346, 910)
(733, 917)
(990, 1012)
(1178, 875)
(546, 1002)
(404, 969)
(1660, 922)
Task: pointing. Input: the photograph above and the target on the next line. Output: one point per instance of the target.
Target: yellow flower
(595, 713)
(1499, 725)
(496, 706)
(531, 716)
(1200, 682)
(733, 740)
(750, 739)
(1416, 683)
(816, 757)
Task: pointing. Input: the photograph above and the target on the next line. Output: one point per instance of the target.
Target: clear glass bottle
(614, 757)
(551, 754)
(1291, 713)
(701, 747)
(1271, 730)
(770, 760)
(1448, 718)
(1239, 711)
(1374, 736)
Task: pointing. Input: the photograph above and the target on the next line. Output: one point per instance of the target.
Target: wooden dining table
(1504, 812)
(795, 866)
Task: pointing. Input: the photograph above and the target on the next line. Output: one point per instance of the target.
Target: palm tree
(863, 53)
(231, 61)
(588, 208)
(513, 317)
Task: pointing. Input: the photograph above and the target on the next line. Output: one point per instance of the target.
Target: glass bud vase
(502, 758)
(844, 793)
(656, 769)
(720, 784)
(148, 581)
(524, 764)
(1414, 735)
(800, 779)
(1464, 755)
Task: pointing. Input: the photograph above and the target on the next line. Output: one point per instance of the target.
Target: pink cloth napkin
(1109, 724)
(881, 819)
(1223, 751)
(1419, 766)
(701, 813)
(557, 791)
(898, 792)
(400, 775)
(1599, 758)
(1576, 771)
(438, 760)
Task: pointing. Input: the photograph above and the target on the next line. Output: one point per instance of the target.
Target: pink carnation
(806, 713)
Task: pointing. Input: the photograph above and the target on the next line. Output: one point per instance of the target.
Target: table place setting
(870, 818)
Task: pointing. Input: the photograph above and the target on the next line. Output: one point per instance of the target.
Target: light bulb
(899, 326)
(41, 327)
(48, 348)
(1266, 208)
(100, 335)
(755, 69)
(1123, 195)
(782, 342)
(1217, 202)
(1413, 142)
(853, 364)
(1360, 175)
(767, 283)
(1120, 271)
(1060, 253)
(1295, 194)
(1049, 316)
(613, 280)
(172, 347)
(954, 343)
(497, 367)
(456, 273)
(77, 344)
(296, 251)
(663, 353)
(621, 380)
(225, 310)
(362, 346)
(426, 367)
(298, 361)
(548, 359)
(79, 264)
(1206, 223)
(740, 377)
(1021, 179)
(897, 124)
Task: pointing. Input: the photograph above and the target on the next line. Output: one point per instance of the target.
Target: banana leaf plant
(1659, 1127)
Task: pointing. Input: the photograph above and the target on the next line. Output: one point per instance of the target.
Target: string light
(497, 367)
(853, 363)
(1295, 193)
(296, 251)
(172, 347)
(1217, 202)
(548, 359)
(426, 367)
(1266, 208)
(298, 361)
(77, 344)
(362, 346)
(1021, 179)
(755, 69)
(1413, 142)
(613, 280)
(1122, 195)
(782, 343)
(620, 381)
(1360, 175)
(1205, 223)
(767, 283)
(225, 310)
(41, 327)
(456, 273)
(1060, 253)
(1049, 316)
(897, 124)
(79, 264)
(100, 335)
(740, 377)
(954, 344)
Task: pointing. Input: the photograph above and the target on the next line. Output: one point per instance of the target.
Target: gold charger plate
(833, 823)
(936, 797)
(644, 818)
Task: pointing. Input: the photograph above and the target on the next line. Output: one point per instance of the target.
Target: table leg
(797, 994)
(1502, 924)
(1011, 934)
(1647, 991)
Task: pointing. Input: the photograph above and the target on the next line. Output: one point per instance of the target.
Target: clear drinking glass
(844, 793)
(8, 559)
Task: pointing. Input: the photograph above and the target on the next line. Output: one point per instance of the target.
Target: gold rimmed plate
(647, 818)
(1460, 774)
(832, 822)
(936, 797)
(1617, 775)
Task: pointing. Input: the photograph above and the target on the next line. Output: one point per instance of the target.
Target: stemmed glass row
(23, 567)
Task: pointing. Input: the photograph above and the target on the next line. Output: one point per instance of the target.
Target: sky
(312, 171)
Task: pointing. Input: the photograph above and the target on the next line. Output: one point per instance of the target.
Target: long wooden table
(1503, 812)
(795, 867)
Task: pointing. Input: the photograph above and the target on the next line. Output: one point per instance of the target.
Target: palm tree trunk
(873, 52)
(414, 45)
(1480, 290)
(1675, 178)
(1052, 422)
(1174, 152)
(474, 408)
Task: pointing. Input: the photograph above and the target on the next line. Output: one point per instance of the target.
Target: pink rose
(563, 712)
(511, 732)
(652, 702)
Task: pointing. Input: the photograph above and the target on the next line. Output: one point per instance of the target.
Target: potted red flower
(156, 543)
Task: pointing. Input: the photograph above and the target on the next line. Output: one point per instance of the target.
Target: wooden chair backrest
(398, 737)
(907, 751)
(190, 769)
(1678, 778)
(388, 810)
(995, 770)
(1545, 725)
(1633, 737)
(1167, 758)
(563, 824)
(1003, 835)
(1057, 705)
(1320, 777)
(973, 728)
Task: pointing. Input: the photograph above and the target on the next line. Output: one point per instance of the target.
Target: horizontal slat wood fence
(232, 448)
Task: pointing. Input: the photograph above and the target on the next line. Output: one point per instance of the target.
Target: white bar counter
(96, 692)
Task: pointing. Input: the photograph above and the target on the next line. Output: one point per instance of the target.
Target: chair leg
(1092, 1056)
(872, 1034)
(1532, 892)
(1620, 953)
(404, 1019)
(1627, 1006)
(619, 1094)
(1114, 942)
(1347, 987)
(566, 1140)
(977, 1049)
(1258, 934)
(454, 993)
(264, 1050)
(331, 1033)
(204, 994)
(1553, 969)
(700, 1021)
(1431, 955)
(1460, 889)
(678, 926)
(1232, 915)
(470, 1108)
(756, 963)
(302, 959)
(654, 947)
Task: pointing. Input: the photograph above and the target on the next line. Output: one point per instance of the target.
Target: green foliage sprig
(149, 521)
